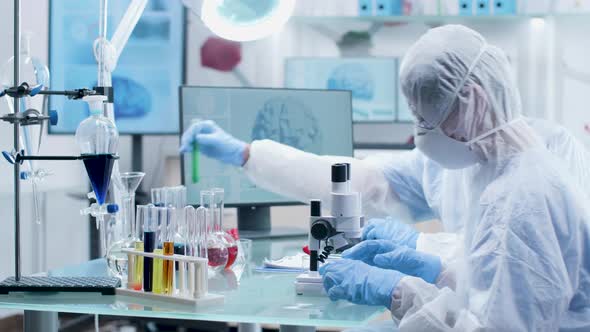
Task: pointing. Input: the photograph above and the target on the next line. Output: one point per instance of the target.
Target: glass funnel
(217, 252)
(127, 183)
(34, 72)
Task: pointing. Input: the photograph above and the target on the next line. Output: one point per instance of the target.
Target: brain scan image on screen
(289, 121)
(371, 80)
(145, 87)
(132, 99)
(354, 77)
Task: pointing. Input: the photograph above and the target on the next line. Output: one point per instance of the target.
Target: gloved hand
(387, 255)
(213, 142)
(359, 283)
(389, 229)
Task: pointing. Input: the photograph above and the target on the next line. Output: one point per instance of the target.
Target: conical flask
(34, 72)
(97, 138)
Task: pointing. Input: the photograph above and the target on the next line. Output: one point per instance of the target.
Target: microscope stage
(309, 284)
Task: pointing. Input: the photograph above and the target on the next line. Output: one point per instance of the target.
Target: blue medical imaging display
(148, 73)
(372, 81)
(290, 121)
(317, 121)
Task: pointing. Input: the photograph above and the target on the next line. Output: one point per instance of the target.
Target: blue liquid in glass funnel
(99, 168)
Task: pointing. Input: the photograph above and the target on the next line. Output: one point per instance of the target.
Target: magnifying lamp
(246, 20)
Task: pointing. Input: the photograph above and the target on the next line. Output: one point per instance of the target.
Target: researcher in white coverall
(482, 170)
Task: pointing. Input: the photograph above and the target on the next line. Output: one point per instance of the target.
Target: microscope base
(309, 284)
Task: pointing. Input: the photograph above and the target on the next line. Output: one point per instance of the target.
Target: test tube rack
(196, 293)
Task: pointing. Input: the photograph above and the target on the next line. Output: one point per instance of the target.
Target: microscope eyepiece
(339, 173)
(347, 171)
(316, 208)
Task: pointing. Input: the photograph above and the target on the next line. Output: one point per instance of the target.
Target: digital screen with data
(147, 75)
(316, 121)
(373, 82)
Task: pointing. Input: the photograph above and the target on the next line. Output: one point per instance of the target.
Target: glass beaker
(224, 237)
(217, 252)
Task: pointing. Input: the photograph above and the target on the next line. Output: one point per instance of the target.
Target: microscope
(333, 233)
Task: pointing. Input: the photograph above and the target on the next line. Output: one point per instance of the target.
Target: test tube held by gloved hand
(195, 164)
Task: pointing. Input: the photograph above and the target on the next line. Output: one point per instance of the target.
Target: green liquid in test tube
(195, 162)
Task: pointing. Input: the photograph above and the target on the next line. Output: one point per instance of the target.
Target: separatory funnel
(35, 73)
(97, 138)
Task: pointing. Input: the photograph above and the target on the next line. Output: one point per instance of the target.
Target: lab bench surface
(250, 297)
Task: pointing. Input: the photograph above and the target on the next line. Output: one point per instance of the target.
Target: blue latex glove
(389, 229)
(367, 250)
(359, 283)
(387, 255)
(213, 142)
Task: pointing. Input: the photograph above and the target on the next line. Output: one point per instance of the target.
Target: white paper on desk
(298, 261)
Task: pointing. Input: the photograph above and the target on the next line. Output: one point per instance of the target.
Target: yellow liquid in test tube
(138, 268)
(157, 286)
(168, 273)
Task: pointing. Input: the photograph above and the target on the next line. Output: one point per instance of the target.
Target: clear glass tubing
(152, 269)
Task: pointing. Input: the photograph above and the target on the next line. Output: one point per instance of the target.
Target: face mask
(449, 153)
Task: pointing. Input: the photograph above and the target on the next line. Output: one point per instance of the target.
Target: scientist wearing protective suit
(523, 260)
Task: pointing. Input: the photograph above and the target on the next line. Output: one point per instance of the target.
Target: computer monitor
(373, 81)
(317, 121)
(148, 73)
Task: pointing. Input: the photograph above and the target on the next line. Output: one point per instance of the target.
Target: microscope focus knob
(321, 230)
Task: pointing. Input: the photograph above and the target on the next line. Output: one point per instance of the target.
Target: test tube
(201, 243)
(168, 196)
(157, 196)
(136, 265)
(181, 192)
(161, 217)
(176, 197)
(195, 168)
(192, 228)
(218, 205)
(190, 222)
(150, 228)
(207, 202)
(168, 231)
(192, 244)
(198, 277)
